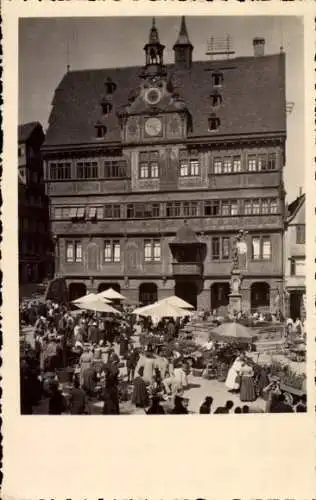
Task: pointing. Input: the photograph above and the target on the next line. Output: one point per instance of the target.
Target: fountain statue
(235, 305)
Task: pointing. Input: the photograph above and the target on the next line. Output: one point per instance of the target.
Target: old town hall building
(151, 171)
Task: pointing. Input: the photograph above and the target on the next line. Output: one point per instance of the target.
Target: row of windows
(149, 166)
(112, 251)
(255, 163)
(116, 169)
(220, 249)
(31, 247)
(30, 224)
(224, 208)
(260, 248)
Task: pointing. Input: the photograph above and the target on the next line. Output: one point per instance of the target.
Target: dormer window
(217, 79)
(213, 123)
(100, 130)
(110, 86)
(106, 107)
(216, 100)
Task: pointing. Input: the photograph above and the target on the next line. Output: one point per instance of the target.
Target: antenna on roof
(281, 36)
(67, 54)
(219, 46)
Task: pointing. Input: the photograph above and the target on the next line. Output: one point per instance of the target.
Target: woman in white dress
(232, 382)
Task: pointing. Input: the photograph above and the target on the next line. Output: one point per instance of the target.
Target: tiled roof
(26, 130)
(253, 94)
(185, 235)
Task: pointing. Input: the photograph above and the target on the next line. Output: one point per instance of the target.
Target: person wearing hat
(140, 396)
(131, 362)
(94, 334)
(51, 352)
(110, 392)
(85, 362)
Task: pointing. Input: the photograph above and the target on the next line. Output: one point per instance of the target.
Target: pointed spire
(183, 38)
(153, 35)
(183, 48)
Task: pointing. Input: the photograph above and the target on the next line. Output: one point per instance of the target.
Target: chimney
(300, 191)
(258, 46)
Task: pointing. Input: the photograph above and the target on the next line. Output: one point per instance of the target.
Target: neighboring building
(294, 249)
(131, 153)
(35, 262)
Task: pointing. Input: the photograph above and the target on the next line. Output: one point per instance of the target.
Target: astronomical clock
(154, 115)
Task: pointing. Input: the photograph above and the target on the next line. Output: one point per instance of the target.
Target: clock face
(153, 95)
(153, 126)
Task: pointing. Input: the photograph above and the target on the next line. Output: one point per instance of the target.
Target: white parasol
(162, 310)
(233, 331)
(110, 294)
(87, 299)
(176, 301)
(98, 305)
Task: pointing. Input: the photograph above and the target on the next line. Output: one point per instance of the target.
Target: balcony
(187, 268)
(293, 282)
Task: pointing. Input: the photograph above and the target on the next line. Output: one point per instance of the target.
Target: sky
(47, 45)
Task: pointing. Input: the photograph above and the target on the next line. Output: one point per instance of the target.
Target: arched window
(77, 290)
(260, 295)
(148, 293)
(220, 295)
(105, 286)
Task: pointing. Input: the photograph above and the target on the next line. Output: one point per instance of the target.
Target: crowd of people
(79, 358)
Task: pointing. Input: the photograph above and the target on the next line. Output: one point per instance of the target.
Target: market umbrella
(143, 308)
(86, 299)
(176, 301)
(97, 306)
(233, 331)
(162, 310)
(110, 294)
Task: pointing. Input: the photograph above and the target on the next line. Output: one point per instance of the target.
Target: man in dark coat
(111, 393)
(131, 363)
(140, 394)
(57, 403)
(78, 400)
